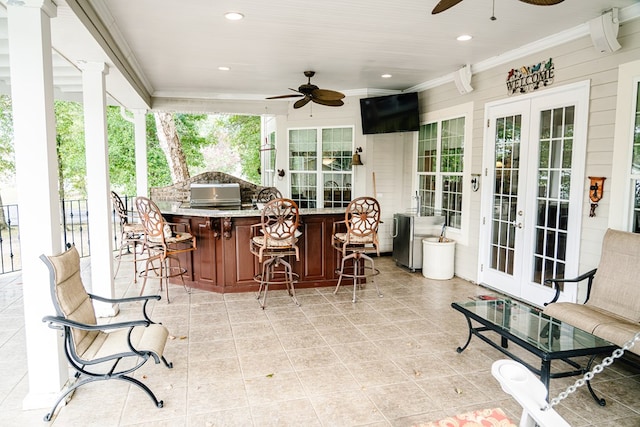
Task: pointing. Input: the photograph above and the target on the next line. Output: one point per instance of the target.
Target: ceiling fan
(446, 4)
(311, 92)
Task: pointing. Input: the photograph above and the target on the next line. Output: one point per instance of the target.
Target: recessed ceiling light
(233, 16)
(464, 38)
(386, 76)
(224, 68)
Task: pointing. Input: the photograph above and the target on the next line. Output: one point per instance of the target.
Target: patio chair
(97, 351)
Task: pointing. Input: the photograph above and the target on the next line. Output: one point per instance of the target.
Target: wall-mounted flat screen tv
(391, 113)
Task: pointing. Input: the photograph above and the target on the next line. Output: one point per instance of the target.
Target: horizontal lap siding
(574, 61)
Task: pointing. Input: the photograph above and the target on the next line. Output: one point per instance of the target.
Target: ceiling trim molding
(582, 30)
(102, 34)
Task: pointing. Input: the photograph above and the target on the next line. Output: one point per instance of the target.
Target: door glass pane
(507, 153)
(554, 189)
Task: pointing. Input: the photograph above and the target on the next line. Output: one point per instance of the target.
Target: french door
(533, 177)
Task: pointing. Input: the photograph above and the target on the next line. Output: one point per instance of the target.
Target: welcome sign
(530, 78)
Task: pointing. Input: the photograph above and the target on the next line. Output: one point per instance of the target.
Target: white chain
(596, 370)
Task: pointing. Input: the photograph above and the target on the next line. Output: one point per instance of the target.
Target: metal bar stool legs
(269, 274)
(357, 275)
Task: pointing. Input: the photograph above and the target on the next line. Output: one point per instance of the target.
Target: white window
(443, 178)
(268, 152)
(623, 190)
(440, 169)
(327, 182)
(635, 163)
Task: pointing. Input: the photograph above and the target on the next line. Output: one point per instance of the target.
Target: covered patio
(381, 362)
(389, 361)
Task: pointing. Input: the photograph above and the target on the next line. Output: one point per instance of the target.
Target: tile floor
(380, 362)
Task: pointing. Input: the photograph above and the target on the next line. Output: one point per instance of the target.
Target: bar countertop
(177, 208)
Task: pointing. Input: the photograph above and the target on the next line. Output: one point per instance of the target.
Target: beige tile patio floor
(380, 362)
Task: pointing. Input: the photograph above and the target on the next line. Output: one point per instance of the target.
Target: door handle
(517, 224)
(395, 227)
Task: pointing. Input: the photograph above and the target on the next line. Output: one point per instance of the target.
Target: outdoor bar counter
(223, 263)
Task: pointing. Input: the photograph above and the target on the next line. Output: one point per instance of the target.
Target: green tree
(243, 133)
(71, 148)
(7, 160)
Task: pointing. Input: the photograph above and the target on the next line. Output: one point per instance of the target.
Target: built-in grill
(216, 196)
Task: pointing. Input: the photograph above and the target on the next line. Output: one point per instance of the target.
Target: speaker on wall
(604, 32)
(462, 79)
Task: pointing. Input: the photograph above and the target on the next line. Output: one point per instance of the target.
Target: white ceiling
(172, 49)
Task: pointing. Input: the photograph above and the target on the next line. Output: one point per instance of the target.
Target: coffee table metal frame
(528, 343)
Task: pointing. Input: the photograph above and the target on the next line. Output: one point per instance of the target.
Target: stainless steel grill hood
(215, 195)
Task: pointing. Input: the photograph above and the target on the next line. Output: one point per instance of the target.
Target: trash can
(438, 255)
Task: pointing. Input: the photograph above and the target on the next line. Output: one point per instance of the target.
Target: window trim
(621, 190)
(319, 172)
(463, 110)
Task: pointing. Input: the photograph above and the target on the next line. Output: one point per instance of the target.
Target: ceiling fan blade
(327, 95)
(328, 102)
(444, 5)
(284, 96)
(542, 2)
(302, 102)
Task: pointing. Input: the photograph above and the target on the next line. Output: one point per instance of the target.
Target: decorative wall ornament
(530, 78)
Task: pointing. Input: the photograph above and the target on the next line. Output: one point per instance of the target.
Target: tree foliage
(243, 133)
(7, 161)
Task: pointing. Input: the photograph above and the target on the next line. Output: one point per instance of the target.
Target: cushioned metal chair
(99, 352)
(274, 239)
(163, 241)
(354, 238)
(131, 235)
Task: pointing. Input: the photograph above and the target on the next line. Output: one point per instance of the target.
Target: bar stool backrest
(362, 219)
(280, 221)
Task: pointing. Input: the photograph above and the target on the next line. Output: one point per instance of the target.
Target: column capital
(48, 6)
(93, 66)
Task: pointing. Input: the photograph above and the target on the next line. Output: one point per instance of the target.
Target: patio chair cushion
(73, 300)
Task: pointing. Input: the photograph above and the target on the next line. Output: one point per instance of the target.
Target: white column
(36, 176)
(99, 201)
(140, 123)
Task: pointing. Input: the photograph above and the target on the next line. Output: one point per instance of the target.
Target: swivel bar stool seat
(354, 238)
(274, 240)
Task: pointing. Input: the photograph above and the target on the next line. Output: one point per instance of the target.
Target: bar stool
(266, 195)
(163, 241)
(131, 235)
(274, 239)
(354, 238)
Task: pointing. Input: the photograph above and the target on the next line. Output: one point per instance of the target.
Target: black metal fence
(75, 230)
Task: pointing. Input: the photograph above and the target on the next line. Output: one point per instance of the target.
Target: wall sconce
(596, 190)
(280, 173)
(355, 161)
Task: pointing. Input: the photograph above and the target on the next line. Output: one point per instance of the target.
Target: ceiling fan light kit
(311, 93)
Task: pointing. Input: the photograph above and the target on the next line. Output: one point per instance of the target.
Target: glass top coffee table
(546, 337)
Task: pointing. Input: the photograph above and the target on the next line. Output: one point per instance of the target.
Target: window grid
(505, 193)
(554, 181)
(440, 168)
(333, 172)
